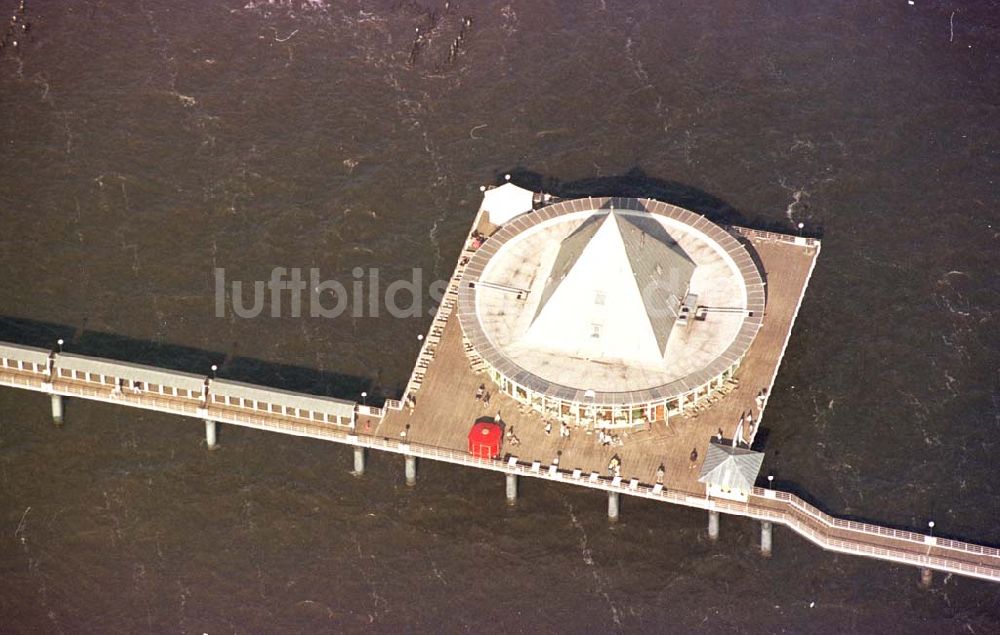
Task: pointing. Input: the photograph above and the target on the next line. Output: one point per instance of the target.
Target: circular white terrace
(611, 302)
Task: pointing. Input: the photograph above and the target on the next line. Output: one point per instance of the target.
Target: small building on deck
(729, 471)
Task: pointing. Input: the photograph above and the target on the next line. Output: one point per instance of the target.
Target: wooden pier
(434, 424)
(446, 407)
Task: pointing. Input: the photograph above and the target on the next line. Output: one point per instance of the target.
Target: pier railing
(774, 236)
(843, 524)
(371, 411)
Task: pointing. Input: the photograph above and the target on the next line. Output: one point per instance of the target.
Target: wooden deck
(446, 406)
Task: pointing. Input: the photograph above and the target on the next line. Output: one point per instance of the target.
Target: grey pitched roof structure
(569, 252)
(730, 468)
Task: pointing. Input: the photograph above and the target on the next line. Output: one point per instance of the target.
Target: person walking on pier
(660, 471)
(615, 466)
(761, 397)
(694, 458)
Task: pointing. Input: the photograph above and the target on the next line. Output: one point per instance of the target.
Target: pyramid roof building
(613, 291)
(730, 468)
(600, 307)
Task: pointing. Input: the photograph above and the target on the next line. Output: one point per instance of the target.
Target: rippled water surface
(143, 144)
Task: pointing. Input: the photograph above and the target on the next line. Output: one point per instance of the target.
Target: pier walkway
(28, 368)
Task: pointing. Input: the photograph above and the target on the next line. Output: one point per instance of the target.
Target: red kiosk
(485, 438)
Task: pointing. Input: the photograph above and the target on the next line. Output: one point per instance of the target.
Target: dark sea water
(143, 144)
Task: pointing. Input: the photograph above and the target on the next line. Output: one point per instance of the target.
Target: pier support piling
(210, 438)
(765, 538)
(359, 461)
(613, 506)
(926, 577)
(411, 470)
(713, 524)
(57, 410)
(512, 489)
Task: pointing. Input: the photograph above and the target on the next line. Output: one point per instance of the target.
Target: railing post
(765, 538)
(613, 506)
(210, 431)
(411, 470)
(57, 410)
(359, 460)
(511, 489)
(713, 524)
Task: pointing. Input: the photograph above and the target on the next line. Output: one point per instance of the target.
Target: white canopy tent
(507, 201)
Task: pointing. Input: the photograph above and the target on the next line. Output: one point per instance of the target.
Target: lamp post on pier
(57, 400)
(211, 428)
(927, 574)
(57, 413)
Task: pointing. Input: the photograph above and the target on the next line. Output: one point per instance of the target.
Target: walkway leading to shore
(32, 369)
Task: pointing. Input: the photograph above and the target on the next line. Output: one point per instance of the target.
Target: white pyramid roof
(612, 293)
(507, 201)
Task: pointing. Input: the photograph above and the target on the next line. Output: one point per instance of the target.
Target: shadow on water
(637, 184)
(181, 358)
